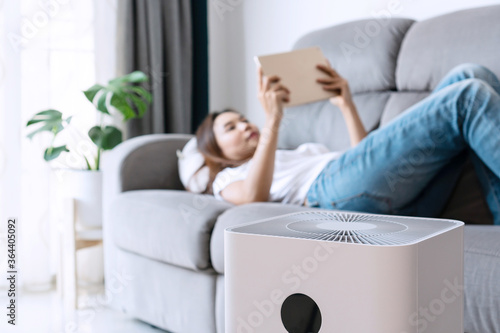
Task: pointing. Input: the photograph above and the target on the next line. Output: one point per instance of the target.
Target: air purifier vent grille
(358, 228)
(349, 228)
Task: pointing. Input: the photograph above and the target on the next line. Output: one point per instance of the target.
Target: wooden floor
(42, 312)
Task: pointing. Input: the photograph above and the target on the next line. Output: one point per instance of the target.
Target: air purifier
(343, 272)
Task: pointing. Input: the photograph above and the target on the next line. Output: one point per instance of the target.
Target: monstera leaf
(49, 120)
(106, 138)
(53, 152)
(121, 93)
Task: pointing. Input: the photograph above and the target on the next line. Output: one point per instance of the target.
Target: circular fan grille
(349, 228)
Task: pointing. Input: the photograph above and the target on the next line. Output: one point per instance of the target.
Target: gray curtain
(155, 36)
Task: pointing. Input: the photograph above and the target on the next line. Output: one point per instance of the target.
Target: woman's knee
(472, 93)
(470, 69)
(474, 86)
(475, 71)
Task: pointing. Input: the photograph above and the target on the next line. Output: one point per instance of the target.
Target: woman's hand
(272, 94)
(337, 85)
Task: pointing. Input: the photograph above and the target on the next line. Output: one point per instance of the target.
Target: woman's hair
(208, 147)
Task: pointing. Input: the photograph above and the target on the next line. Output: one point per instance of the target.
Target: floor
(42, 312)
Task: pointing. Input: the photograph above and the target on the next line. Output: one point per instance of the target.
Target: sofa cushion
(482, 278)
(398, 102)
(322, 122)
(363, 51)
(432, 47)
(166, 225)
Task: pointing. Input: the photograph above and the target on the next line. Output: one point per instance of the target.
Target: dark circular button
(300, 314)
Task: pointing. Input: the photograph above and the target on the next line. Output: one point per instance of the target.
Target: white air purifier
(339, 272)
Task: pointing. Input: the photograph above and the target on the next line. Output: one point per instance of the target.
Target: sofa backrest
(390, 64)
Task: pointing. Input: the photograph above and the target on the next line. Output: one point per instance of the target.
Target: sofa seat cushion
(166, 225)
(482, 278)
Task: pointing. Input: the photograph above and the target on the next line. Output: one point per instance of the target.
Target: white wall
(240, 29)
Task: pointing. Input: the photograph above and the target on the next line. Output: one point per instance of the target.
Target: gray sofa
(163, 246)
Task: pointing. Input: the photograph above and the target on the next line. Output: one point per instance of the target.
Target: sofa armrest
(143, 162)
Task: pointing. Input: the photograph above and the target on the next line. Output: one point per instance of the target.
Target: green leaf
(92, 91)
(45, 116)
(120, 103)
(137, 77)
(139, 104)
(134, 77)
(44, 128)
(95, 134)
(88, 164)
(50, 121)
(68, 119)
(143, 93)
(101, 103)
(112, 137)
(106, 138)
(131, 101)
(53, 152)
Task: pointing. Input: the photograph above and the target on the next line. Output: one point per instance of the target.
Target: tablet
(298, 72)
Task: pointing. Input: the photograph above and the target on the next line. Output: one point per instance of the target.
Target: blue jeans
(393, 165)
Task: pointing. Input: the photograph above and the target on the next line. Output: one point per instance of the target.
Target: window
(47, 58)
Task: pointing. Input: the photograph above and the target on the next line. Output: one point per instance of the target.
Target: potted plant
(121, 94)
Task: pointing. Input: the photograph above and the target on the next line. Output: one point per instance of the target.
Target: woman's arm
(343, 99)
(355, 127)
(257, 185)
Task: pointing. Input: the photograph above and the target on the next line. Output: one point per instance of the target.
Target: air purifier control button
(300, 313)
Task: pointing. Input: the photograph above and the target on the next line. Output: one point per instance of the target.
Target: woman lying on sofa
(245, 165)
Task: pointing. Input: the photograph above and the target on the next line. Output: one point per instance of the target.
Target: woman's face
(236, 136)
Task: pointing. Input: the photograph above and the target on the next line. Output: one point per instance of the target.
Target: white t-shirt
(294, 172)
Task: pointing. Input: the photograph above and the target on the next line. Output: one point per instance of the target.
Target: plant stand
(71, 240)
